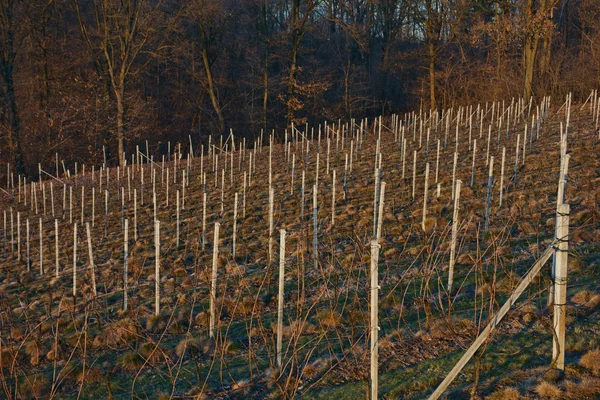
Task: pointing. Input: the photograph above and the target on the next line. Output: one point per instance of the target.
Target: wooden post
(213, 282)
(494, 321)
(380, 217)
(28, 246)
(177, 216)
(41, 249)
(82, 202)
(454, 236)
(203, 220)
(315, 225)
(425, 196)
(91, 258)
(374, 318)
(70, 204)
(333, 200)
(94, 205)
(302, 197)
(454, 174)
(516, 160)
(437, 161)
(502, 176)
(271, 200)
(125, 259)
(56, 246)
(280, 297)
(156, 267)
(414, 177)
(75, 260)
(375, 194)
(560, 286)
(234, 234)
(473, 163)
(489, 193)
(19, 236)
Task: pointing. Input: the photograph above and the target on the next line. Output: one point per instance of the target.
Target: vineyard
(281, 266)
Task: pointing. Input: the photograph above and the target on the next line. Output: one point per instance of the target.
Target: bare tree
(118, 32)
(12, 35)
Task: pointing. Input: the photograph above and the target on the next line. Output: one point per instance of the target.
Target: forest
(83, 80)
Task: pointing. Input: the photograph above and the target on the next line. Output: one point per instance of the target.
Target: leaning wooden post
(374, 318)
(125, 259)
(489, 194)
(156, 267)
(560, 286)
(213, 282)
(280, 296)
(91, 258)
(454, 235)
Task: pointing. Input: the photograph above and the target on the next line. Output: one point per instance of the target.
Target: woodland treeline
(80, 75)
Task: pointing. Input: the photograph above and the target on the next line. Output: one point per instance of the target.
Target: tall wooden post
(280, 297)
(374, 318)
(56, 246)
(271, 200)
(489, 193)
(560, 286)
(234, 233)
(177, 216)
(156, 267)
(91, 258)
(75, 259)
(315, 225)
(125, 259)
(454, 236)
(425, 196)
(380, 216)
(213, 282)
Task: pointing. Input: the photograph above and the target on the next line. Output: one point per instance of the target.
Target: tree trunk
(211, 91)
(292, 81)
(120, 126)
(432, 57)
(266, 64)
(529, 63)
(13, 115)
(294, 63)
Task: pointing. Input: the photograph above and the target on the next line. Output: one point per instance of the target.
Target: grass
(423, 330)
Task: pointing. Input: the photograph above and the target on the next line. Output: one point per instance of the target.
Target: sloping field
(55, 344)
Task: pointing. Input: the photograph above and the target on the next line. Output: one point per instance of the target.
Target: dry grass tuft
(591, 361)
(582, 297)
(587, 388)
(508, 393)
(548, 390)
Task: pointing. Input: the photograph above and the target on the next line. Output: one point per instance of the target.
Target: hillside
(54, 344)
